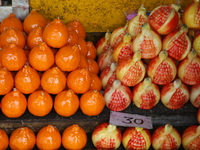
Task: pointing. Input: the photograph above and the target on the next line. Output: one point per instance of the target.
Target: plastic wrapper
(20, 8)
(131, 13)
(20, 3)
(20, 12)
(5, 11)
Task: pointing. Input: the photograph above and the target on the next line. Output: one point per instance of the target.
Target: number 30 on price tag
(130, 120)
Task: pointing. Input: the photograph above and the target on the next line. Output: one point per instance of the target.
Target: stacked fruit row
(104, 131)
(40, 58)
(164, 137)
(24, 138)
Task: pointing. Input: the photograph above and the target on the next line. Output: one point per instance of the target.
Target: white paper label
(130, 120)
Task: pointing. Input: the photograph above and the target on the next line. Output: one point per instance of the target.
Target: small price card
(130, 120)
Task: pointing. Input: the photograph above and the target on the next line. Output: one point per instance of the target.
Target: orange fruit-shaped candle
(22, 138)
(73, 36)
(13, 57)
(27, 80)
(83, 62)
(11, 21)
(79, 80)
(26, 47)
(92, 51)
(92, 103)
(4, 140)
(48, 138)
(27, 51)
(33, 20)
(13, 104)
(1, 51)
(82, 46)
(48, 21)
(0, 41)
(53, 81)
(41, 57)
(93, 66)
(12, 35)
(66, 103)
(40, 103)
(55, 34)
(68, 58)
(55, 50)
(96, 82)
(74, 137)
(6, 81)
(35, 37)
(78, 27)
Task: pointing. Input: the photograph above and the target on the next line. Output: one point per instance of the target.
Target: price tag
(130, 120)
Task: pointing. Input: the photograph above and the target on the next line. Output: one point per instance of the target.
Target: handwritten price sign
(130, 120)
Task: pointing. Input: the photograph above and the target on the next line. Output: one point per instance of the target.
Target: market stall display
(57, 76)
